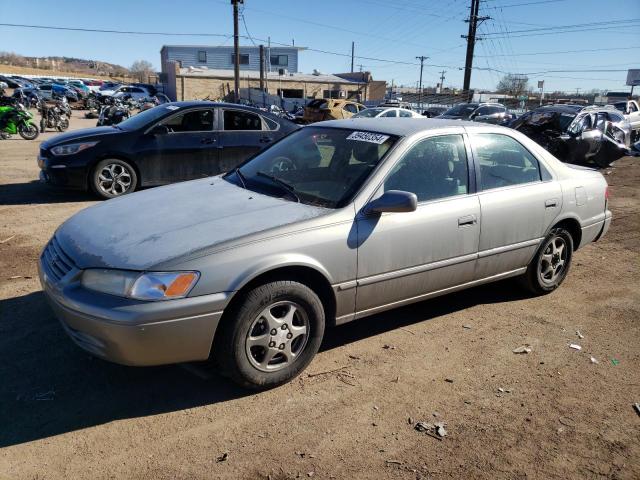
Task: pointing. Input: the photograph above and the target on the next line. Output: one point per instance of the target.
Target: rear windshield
(462, 110)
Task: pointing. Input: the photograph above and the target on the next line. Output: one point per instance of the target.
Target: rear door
(518, 201)
(186, 151)
(242, 135)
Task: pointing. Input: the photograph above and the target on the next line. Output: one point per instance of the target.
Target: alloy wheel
(114, 179)
(553, 261)
(277, 336)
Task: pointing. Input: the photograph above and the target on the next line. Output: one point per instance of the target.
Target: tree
(513, 84)
(141, 69)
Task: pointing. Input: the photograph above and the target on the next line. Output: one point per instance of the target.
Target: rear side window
(390, 113)
(350, 107)
(239, 120)
(433, 168)
(504, 161)
(404, 113)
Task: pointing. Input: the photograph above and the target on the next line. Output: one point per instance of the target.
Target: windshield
(143, 119)
(546, 119)
(314, 165)
(369, 112)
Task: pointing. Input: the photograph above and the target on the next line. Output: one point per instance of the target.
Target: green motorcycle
(16, 119)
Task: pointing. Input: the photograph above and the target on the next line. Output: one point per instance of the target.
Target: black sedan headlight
(72, 148)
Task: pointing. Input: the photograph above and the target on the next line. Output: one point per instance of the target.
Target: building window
(244, 59)
(331, 94)
(279, 60)
(202, 56)
(291, 92)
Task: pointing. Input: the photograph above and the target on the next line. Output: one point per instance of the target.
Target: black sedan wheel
(112, 178)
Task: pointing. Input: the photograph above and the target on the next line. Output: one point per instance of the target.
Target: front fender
(276, 262)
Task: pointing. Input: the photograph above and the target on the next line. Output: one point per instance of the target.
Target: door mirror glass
(393, 201)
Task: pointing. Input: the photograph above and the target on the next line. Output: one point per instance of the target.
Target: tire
(63, 125)
(272, 336)
(28, 131)
(551, 263)
(123, 174)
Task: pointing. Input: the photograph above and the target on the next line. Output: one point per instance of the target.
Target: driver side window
(191, 121)
(433, 168)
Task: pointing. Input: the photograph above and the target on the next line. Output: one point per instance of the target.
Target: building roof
(224, 47)
(271, 76)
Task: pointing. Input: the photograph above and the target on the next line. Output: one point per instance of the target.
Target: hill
(62, 66)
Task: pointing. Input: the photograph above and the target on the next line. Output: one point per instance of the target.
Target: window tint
(504, 161)
(238, 120)
(390, 113)
(192, 121)
(434, 168)
(404, 113)
(271, 124)
(350, 107)
(614, 117)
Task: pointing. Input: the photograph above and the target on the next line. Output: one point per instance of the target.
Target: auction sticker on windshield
(368, 137)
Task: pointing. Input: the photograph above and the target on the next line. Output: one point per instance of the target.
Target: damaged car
(598, 135)
(493, 113)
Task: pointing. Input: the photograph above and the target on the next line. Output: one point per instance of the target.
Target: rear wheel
(113, 178)
(550, 265)
(28, 131)
(271, 336)
(63, 125)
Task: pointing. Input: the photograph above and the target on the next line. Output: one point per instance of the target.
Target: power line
(575, 25)
(564, 51)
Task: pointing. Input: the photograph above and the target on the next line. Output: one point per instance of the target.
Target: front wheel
(28, 131)
(112, 178)
(271, 336)
(550, 265)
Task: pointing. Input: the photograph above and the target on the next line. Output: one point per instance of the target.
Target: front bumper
(55, 172)
(132, 332)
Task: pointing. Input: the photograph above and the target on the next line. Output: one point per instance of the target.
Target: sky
(388, 35)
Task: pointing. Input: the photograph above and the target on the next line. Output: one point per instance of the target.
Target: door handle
(208, 141)
(467, 220)
(265, 139)
(551, 203)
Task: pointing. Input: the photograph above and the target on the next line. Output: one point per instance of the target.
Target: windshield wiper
(281, 183)
(241, 177)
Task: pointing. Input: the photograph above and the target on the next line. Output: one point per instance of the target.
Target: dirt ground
(64, 414)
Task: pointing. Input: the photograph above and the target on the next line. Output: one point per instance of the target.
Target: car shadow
(49, 386)
(34, 192)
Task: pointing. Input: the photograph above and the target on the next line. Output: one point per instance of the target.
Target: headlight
(72, 148)
(141, 286)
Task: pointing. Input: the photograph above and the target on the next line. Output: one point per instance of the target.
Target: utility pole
(422, 58)
(474, 19)
(442, 80)
(578, 92)
(353, 46)
(236, 52)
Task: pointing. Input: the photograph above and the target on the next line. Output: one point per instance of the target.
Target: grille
(58, 263)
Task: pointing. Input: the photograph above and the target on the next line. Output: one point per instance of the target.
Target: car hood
(145, 229)
(80, 135)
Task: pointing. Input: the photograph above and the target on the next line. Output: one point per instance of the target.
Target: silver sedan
(337, 221)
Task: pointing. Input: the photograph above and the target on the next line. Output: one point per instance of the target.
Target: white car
(377, 112)
(137, 93)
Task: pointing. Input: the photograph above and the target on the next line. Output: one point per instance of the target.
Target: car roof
(395, 125)
(558, 108)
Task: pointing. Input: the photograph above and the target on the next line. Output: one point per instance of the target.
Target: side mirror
(159, 130)
(393, 201)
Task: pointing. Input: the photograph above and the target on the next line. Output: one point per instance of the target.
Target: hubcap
(553, 261)
(277, 336)
(114, 179)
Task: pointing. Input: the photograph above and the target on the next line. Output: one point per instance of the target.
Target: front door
(518, 201)
(187, 150)
(408, 255)
(242, 135)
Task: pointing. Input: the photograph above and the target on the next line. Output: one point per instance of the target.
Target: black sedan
(169, 143)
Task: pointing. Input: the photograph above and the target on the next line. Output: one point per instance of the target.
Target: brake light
(606, 193)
